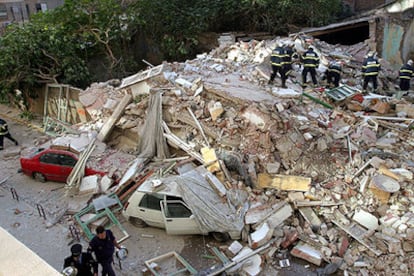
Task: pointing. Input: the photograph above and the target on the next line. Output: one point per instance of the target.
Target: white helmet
(410, 62)
(70, 271)
(370, 54)
(280, 44)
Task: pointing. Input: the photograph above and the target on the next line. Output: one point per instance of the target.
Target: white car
(184, 205)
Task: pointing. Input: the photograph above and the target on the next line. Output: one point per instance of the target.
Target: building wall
(12, 11)
(364, 5)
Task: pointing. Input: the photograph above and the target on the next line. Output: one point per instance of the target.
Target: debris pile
(329, 180)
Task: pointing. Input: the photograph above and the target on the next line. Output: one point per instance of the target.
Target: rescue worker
(103, 245)
(83, 262)
(370, 69)
(287, 60)
(333, 74)
(310, 61)
(406, 73)
(4, 132)
(277, 62)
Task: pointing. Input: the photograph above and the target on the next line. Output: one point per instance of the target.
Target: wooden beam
(109, 125)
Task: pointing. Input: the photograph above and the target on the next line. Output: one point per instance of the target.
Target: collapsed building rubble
(329, 180)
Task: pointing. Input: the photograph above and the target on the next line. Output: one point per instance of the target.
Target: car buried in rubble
(186, 204)
(51, 164)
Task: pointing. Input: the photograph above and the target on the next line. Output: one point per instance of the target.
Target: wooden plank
(109, 125)
(284, 182)
(136, 185)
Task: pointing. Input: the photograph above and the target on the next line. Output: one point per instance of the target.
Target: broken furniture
(170, 264)
(98, 212)
(341, 93)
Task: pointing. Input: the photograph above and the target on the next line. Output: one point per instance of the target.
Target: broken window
(176, 209)
(50, 158)
(151, 201)
(66, 160)
(3, 11)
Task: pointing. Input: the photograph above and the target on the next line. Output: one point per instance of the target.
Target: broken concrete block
(279, 215)
(234, 248)
(380, 107)
(290, 238)
(385, 171)
(251, 265)
(381, 186)
(216, 110)
(260, 236)
(284, 182)
(285, 93)
(311, 217)
(89, 184)
(255, 116)
(307, 136)
(184, 83)
(307, 252)
(296, 196)
(273, 168)
(257, 214)
(403, 173)
(406, 108)
(105, 183)
(366, 219)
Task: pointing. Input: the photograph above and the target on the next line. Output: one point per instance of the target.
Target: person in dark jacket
(82, 261)
(277, 62)
(333, 74)
(370, 70)
(4, 133)
(310, 61)
(287, 60)
(103, 245)
(406, 73)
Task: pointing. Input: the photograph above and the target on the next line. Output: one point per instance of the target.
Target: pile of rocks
(355, 211)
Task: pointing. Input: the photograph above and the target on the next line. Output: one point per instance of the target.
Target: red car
(51, 164)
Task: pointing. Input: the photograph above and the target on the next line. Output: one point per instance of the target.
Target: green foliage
(67, 44)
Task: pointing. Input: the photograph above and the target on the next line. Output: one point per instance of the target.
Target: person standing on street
(277, 60)
(103, 245)
(333, 73)
(406, 73)
(370, 69)
(82, 261)
(310, 61)
(4, 133)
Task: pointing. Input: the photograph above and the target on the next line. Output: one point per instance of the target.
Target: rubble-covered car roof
(213, 213)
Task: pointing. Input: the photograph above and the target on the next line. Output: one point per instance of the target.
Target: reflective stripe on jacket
(335, 68)
(371, 67)
(277, 57)
(406, 72)
(310, 59)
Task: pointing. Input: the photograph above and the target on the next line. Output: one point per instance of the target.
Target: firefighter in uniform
(277, 60)
(406, 73)
(287, 60)
(4, 133)
(333, 74)
(310, 61)
(370, 69)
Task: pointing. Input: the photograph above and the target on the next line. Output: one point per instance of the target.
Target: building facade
(12, 11)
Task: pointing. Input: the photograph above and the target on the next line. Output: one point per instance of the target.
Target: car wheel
(220, 237)
(137, 222)
(39, 177)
